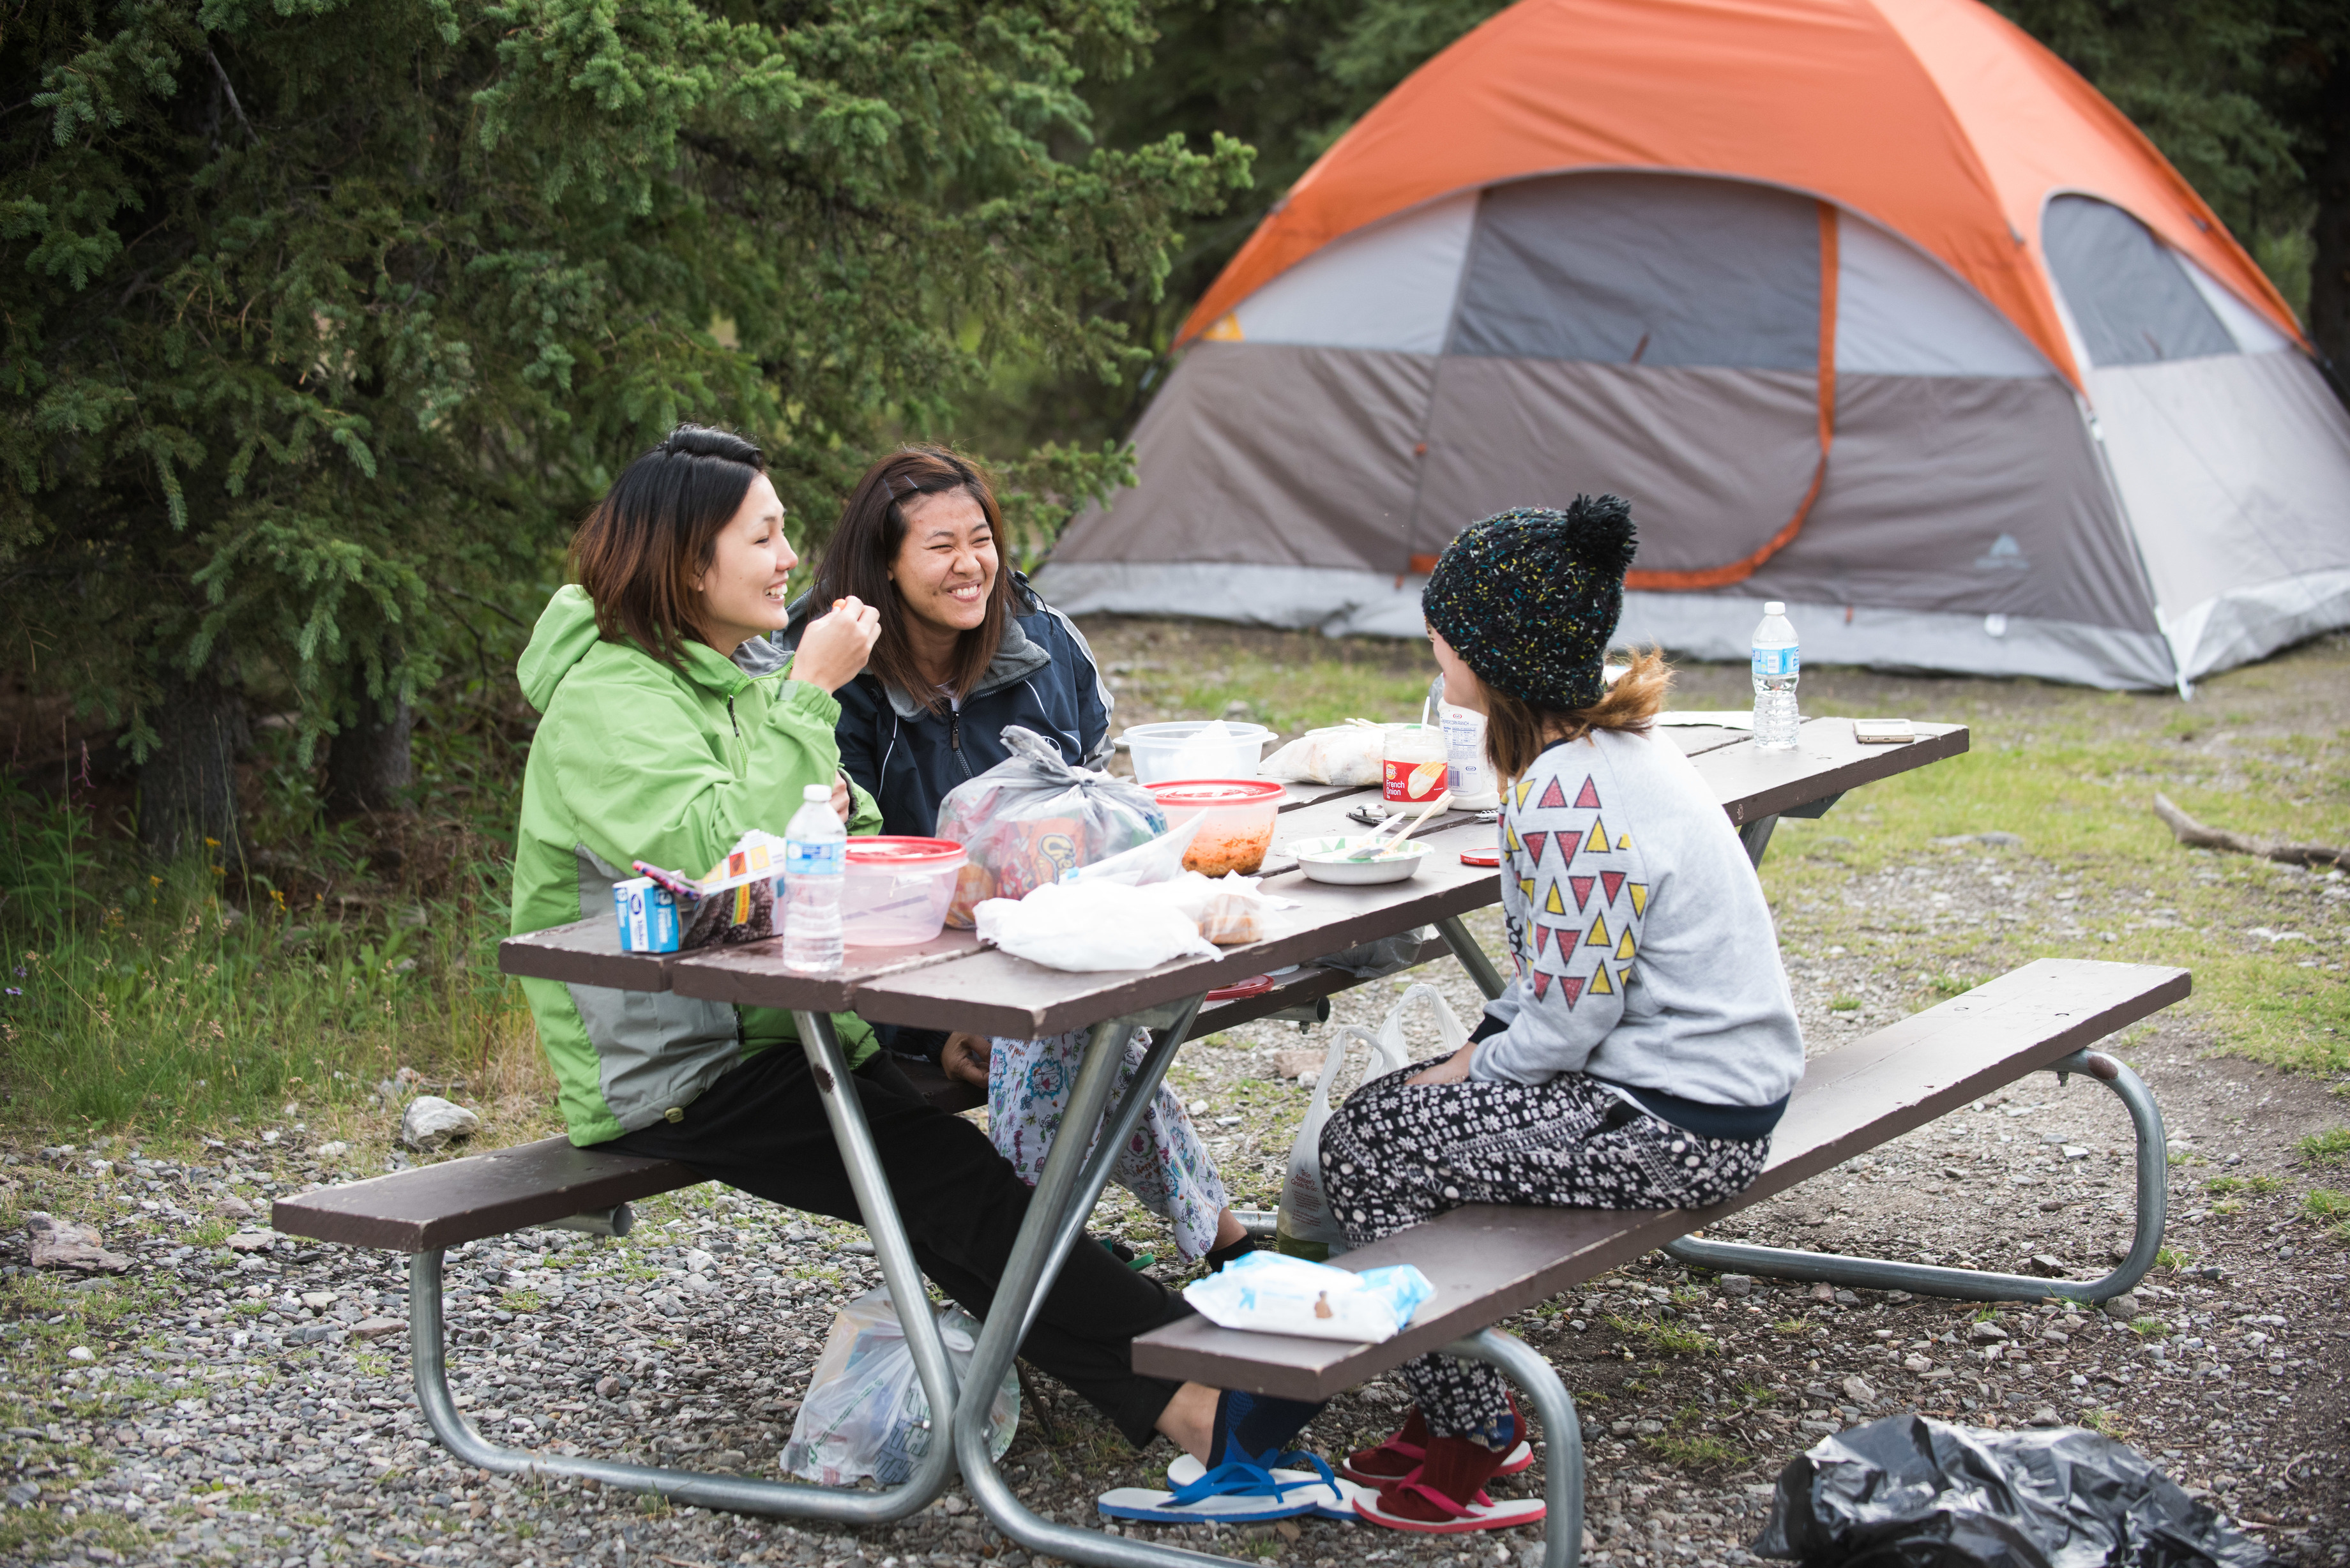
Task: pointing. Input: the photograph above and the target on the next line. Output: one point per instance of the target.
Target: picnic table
(953, 983)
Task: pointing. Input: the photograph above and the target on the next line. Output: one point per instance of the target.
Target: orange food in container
(1239, 828)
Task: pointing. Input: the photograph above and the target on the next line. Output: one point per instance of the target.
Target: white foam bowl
(1324, 860)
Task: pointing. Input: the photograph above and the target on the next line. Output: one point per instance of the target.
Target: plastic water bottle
(815, 868)
(1778, 666)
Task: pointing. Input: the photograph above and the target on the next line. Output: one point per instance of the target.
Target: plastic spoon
(1384, 851)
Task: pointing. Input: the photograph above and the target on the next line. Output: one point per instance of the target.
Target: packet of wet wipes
(1271, 1292)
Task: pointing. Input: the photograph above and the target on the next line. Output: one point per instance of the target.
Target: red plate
(1255, 985)
(1481, 857)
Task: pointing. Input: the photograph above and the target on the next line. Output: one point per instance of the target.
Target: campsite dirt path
(229, 1409)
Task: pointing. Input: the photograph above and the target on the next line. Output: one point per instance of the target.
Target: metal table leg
(739, 1494)
(1562, 1429)
(1472, 954)
(1066, 1190)
(1969, 1284)
(1756, 837)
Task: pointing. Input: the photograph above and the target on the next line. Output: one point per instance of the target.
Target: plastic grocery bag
(1912, 1490)
(1348, 753)
(1304, 1226)
(866, 1413)
(1032, 817)
(1270, 1293)
(1089, 926)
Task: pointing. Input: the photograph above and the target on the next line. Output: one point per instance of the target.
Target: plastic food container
(898, 890)
(1239, 828)
(1192, 749)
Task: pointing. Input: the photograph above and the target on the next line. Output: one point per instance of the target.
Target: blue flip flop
(1241, 1491)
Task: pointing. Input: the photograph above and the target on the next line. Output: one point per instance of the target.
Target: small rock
(1857, 1390)
(1823, 1293)
(1297, 1064)
(2047, 1417)
(2122, 1308)
(233, 1208)
(953, 1503)
(1986, 1333)
(24, 1494)
(2048, 1266)
(375, 1328)
(698, 1261)
(1622, 1429)
(2076, 1151)
(62, 1244)
(610, 1388)
(1647, 1428)
(730, 1458)
(335, 1150)
(1197, 1107)
(81, 1353)
(251, 1241)
(318, 1301)
(1845, 1298)
(859, 1249)
(1914, 1362)
(431, 1121)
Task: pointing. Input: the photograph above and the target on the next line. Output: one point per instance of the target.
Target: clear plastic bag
(866, 1413)
(1305, 1227)
(1032, 817)
(1350, 754)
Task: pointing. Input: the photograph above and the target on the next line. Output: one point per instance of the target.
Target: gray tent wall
(1660, 336)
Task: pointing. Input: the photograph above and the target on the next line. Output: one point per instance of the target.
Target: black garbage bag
(1912, 1492)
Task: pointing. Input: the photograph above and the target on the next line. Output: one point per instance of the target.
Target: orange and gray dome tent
(1870, 305)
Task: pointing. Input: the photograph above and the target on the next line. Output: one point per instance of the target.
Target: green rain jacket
(637, 760)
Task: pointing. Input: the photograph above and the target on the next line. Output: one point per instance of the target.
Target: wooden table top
(952, 982)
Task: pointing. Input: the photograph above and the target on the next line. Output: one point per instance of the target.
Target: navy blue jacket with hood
(1042, 678)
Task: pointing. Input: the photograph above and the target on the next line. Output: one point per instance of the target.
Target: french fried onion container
(1239, 828)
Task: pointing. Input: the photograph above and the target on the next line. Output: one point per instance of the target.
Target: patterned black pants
(1395, 1155)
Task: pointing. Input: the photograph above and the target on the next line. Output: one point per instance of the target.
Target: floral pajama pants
(1028, 1085)
(1394, 1155)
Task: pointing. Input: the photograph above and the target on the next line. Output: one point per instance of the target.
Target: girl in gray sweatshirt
(1644, 1047)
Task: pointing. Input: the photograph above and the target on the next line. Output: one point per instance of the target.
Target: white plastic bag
(1341, 754)
(1083, 927)
(866, 1413)
(1268, 1294)
(1304, 1226)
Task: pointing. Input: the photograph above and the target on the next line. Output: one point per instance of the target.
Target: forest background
(322, 322)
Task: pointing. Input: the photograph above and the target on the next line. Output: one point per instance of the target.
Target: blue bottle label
(1771, 661)
(816, 857)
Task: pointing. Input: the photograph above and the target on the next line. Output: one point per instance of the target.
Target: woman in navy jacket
(966, 648)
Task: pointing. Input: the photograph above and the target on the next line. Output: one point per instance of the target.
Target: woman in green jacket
(656, 745)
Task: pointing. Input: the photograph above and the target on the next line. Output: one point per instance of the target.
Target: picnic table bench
(1486, 1263)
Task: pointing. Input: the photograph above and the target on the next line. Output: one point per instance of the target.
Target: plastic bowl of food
(897, 891)
(1210, 749)
(1239, 825)
(1324, 860)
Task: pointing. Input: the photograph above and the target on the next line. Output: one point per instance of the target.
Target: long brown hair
(1516, 731)
(657, 530)
(864, 546)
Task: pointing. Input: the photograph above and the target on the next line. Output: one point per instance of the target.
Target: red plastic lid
(1481, 857)
(1218, 792)
(891, 849)
(1255, 985)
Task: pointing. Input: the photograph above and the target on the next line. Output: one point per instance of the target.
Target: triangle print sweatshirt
(1646, 956)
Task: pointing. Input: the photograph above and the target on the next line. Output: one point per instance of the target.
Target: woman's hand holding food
(1453, 1069)
(836, 644)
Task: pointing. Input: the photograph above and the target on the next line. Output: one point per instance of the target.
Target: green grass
(2149, 1328)
(2328, 1148)
(1693, 1453)
(1845, 1004)
(2326, 1203)
(1671, 1338)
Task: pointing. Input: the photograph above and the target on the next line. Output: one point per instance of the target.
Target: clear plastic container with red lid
(897, 889)
(1239, 828)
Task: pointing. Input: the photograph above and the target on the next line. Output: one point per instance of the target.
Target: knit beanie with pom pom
(1529, 598)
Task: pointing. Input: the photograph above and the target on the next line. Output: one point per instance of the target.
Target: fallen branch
(2193, 834)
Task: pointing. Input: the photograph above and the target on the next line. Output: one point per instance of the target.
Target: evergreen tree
(324, 320)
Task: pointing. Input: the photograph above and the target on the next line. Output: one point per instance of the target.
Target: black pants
(762, 1128)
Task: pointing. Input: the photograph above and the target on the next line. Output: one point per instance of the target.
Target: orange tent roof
(1938, 119)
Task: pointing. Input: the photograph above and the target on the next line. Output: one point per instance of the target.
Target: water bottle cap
(816, 795)
(1773, 607)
